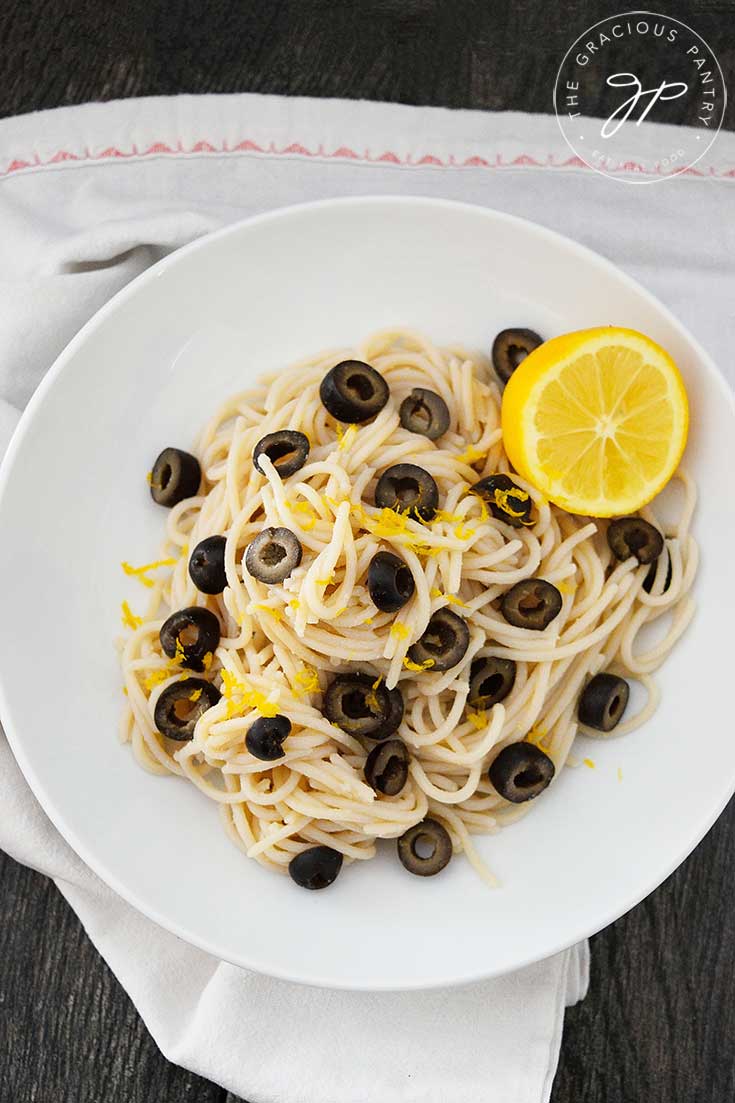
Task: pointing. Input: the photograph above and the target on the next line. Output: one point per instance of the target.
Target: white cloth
(88, 198)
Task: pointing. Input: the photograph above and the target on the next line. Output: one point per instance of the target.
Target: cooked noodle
(280, 645)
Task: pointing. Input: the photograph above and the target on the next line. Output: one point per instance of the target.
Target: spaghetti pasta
(280, 645)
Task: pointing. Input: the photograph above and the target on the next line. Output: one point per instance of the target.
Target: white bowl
(147, 371)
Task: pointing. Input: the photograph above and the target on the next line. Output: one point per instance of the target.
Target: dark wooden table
(659, 1023)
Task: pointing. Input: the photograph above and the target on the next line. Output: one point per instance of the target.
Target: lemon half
(597, 420)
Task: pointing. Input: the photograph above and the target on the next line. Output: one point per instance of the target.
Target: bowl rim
(56, 815)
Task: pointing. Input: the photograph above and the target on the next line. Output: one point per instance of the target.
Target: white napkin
(88, 198)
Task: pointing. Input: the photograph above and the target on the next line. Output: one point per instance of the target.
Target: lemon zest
(502, 500)
(346, 436)
(484, 511)
(620, 773)
(537, 736)
(241, 696)
(156, 677)
(231, 684)
(271, 610)
(445, 515)
(502, 503)
(129, 618)
(294, 603)
(371, 700)
(179, 653)
(149, 478)
(125, 690)
(451, 598)
(411, 665)
(477, 717)
(588, 762)
(141, 572)
(207, 660)
(325, 581)
(390, 524)
(340, 611)
(471, 455)
(307, 679)
(565, 587)
(462, 533)
(195, 695)
(368, 620)
(306, 523)
(400, 630)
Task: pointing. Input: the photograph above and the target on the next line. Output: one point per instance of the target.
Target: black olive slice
(650, 578)
(189, 635)
(181, 704)
(512, 346)
(603, 702)
(425, 849)
(390, 582)
(532, 603)
(507, 501)
(356, 704)
(176, 475)
(207, 565)
(315, 868)
(491, 680)
(424, 412)
(265, 737)
(633, 536)
(353, 391)
(288, 451)
(445, 641)
(386, 768)
(393, 719)
(521, 771)
(273, 555)
(407, 488)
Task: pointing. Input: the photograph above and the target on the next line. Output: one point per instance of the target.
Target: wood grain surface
(496, 55)
(659, 1023)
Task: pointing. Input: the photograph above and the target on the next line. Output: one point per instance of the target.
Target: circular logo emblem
(634, 69)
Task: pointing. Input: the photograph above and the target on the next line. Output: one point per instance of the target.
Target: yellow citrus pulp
(596, 420)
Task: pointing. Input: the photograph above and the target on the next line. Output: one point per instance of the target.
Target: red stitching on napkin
(203, 147)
